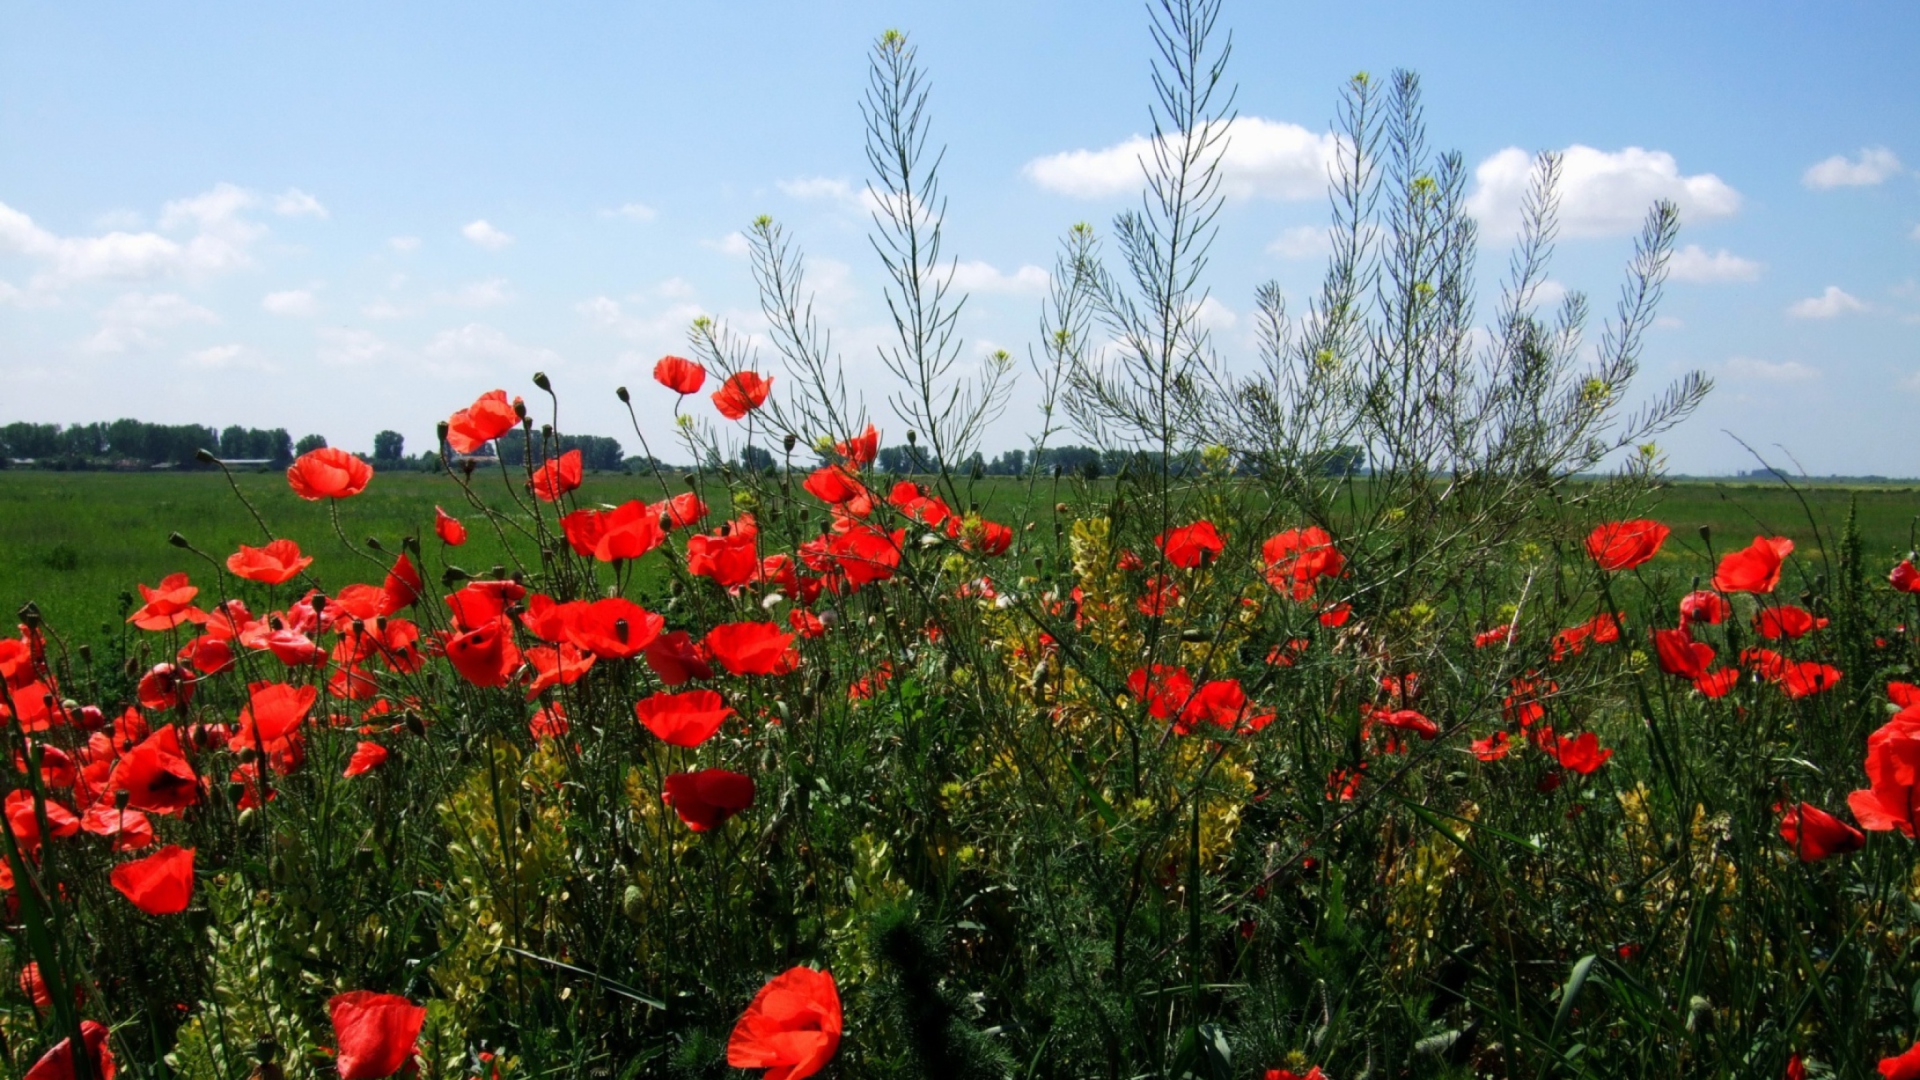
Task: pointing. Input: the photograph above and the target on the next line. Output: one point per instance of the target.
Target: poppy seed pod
(789, 442)
(913, 437)
(519, 408)
(176, 540)
(621, 393)
(1706, 534)
(690, 480)
(441, 429)
(540, 380)
(204, 456)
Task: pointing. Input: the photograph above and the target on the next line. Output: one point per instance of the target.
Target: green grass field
(73, 542)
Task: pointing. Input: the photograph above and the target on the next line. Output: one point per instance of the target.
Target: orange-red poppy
(448, 528)
(129, 829)
(328, 473)
(155, 774)
(483, 421)
(57, 1063)
(1297, 558)
(677, 659)
(1164, 688)
(679, 374)
(1816, 834)
(160, 884)
(1190, 546)
(272, 717)
(485, 655)
(165, 686)
(1623, 545)
(614, 629)
(1786, 620)
(866, 554)
(168, 605)
(367, 756)
(752, 648)
(791, 1029)
(742, 393)
(708, 797)
(625, 532)
(376, 1033)
(557, 477)
(861, 449)
(678, 512)
(685, 719)
(275, 564)
(1753, 569)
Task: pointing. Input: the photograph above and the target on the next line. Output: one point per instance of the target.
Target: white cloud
(1549, 294)
(818, 187)
(404, 244)
(1874, 165)
(734, 243)
(1694, 263)
(1262, 158)
(1915, 234)
(293, 303)
(1786, 371)
(226, 357)
(220, 241)
(485, 235)
(632, 211)
(296, 203)
(1601, 193)
(1302, 242)
(342, 347)
(131, 319)
(1668, 322)
(1834, 302)
(660, 331)
(477, 346)
(479, 294)
(382, 309)
(119, 219)
(982, 277)
(676, 288)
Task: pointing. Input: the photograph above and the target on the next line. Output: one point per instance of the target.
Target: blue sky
(345, 217)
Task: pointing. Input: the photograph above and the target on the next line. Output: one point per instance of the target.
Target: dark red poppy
(448, 528)
(1903, 1067)
(328, 473)
(273, 716)
(557, 477)
(367, 756)
(706, 798)
(1297, 558)
(1190, 546)
(23, 817)
(1807, 677)
(861, 449)
(481, 422)
(1816, 834)
(833, 484)
(1703, 606)
(275, 564)
(129, 829)
(376, 1033)
(1623, 545)
(57, 1063)
(680, 375)
(549, 723)
(155, 774)
(1164, 688)
(677, 659)
(1754, 569)
(1582, 755)
(483, 602)
(1904, 577)
(165, 686)
(1493, 747)
(791, 1029)
(686, 719)
(1787, 620)
(731, 559)
(742, 393)
(161, 883)
(866, 554)
(752, 648)
(1681, 655)
(557, 666)
(614, 629)
(485, 655)
(1406, 720)
(169, 605)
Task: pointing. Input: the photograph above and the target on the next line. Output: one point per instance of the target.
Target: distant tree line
(135, 443)
(597, 452)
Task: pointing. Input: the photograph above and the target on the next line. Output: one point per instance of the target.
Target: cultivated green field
(73, 542)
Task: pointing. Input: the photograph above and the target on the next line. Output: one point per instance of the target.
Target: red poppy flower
(1286, 655)
(791, 1029)
(866, 554)
(557, 477)
(328, 473)
(614, 629)
(686, 719)
(165, 686)
(706, 798)
(401, 587)
(483, 602)
(1623, 545)
(752, 648)
(1336, 616)
(626, 532)
(1582, 755)
(1904, 694)
(1717, 684)
(806, 623)
(861, 449)
(560, 666)
(680, 375)
(1165, 689)
(1804, 678)
(678, 512)
(1493, 747)
(272, 716)
(988, 538)
(1816, 834)
(155, 774)
(24, 819)
(1904, 1067)
(367, 756)
(1904, 577)
(483, 421)
(276, 564)
(1681, 655)
(1499, 635)
(56, 765)
(57, 1063)
(1296, 558)
(129, 829)
(1754, 569)
(448, 527)
(1221, 702)
(169, 605)
(161, 883)
(833, 484)
(1406, 720)
(1189, 546)
(731, 559)
(485, 655)
(1787, 620)
(376, 1033)
(676, 659)
(742, 393)
(549, 723)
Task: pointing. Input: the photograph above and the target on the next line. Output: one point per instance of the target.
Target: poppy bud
(120, 799)
(86, 652)
(415, 724)
(1706, 534)
(467, 467)
(519, 408)
(546, 431)
(374, 543)
(91, 718)
(319, 604)
(236, 791)
(789, 441)
(204, 456)
(621, 393)
(499, 572)
(913, 437)
(441, 429)
(540, 380)
(690, 480)
(453, 574)
(176, 540)
(411, 544)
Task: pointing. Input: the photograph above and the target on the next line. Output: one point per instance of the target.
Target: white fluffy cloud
(734, 243)
(293, 303)
(226, 358)
(1302, 242)
(983, 277)
(1695, 263)
(818, 187)
(1601, 193)
(131, 320)
(483, 234)
(405, 245)
(477, 347)
(1874, 165)
(633, 211)
(1830, 304)
(1785, 371)
(1262, 158)
(492, 292)
(217, 238)
(296, 203)
(341, 347)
